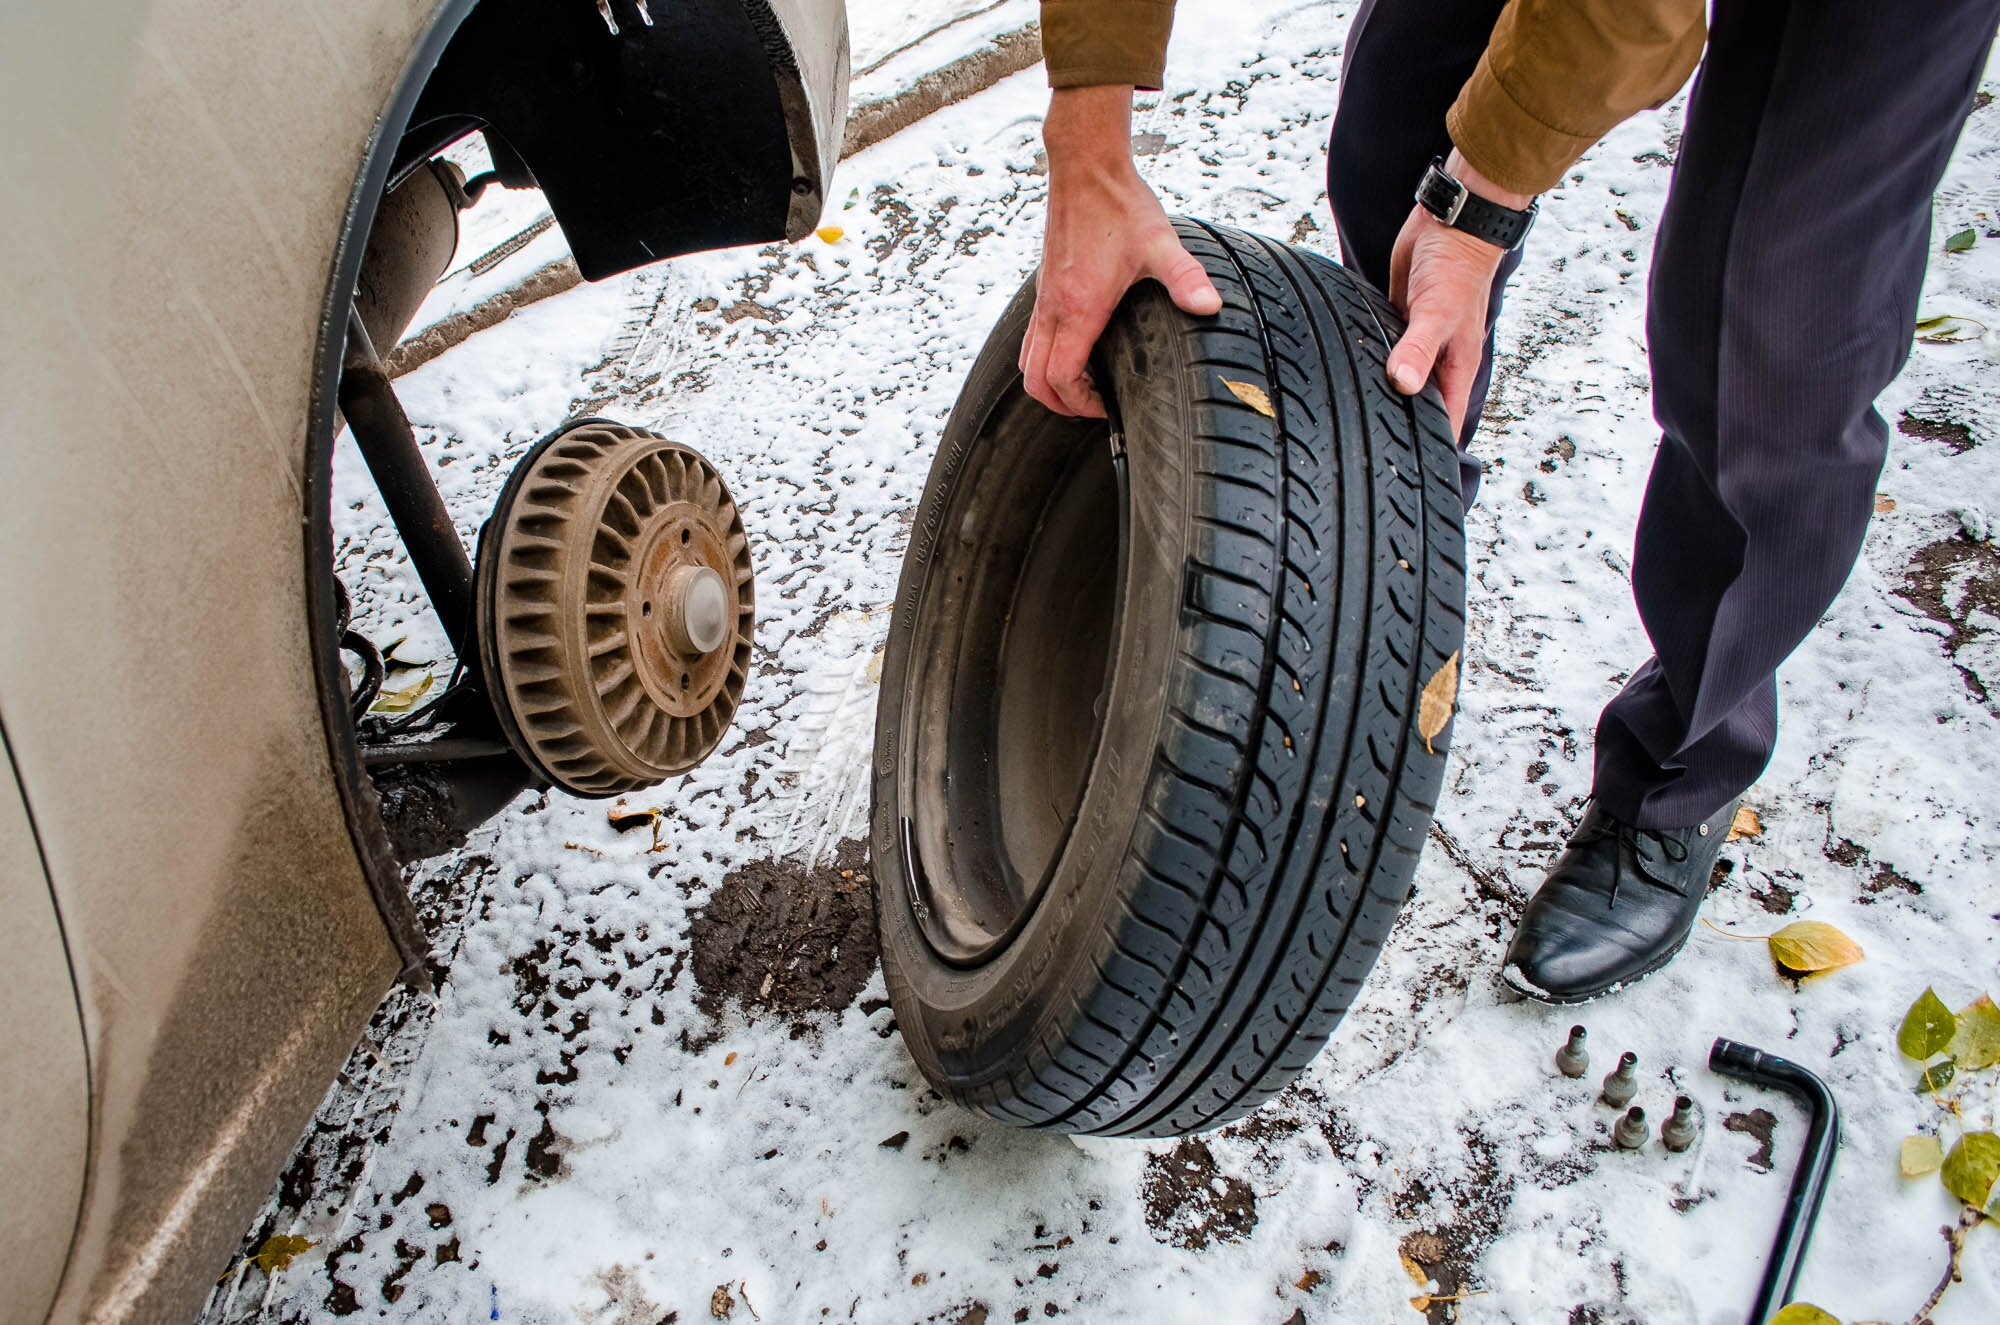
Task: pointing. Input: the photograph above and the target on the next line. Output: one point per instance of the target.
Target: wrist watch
(1460, 208)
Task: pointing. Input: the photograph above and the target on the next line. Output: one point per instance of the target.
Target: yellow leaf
(405, 699)
(1418, 1275)
(277, 1252)
(1920, 1155)
(1253, 396)
(729, 1061)
(1805, 947)
(1440, 694)
(1976, 1043)
(1884, 505)
(830, 234)
(1421, 1303)
(1746, 824)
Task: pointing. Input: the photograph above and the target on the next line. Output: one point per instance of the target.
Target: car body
(197, 914)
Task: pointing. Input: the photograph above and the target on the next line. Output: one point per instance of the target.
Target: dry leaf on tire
(1440, 694)
(1253, 396)
(1746, 824)
(1807, 947)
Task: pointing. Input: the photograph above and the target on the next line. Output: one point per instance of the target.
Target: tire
(1149, 787)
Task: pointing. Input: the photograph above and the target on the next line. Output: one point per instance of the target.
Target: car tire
(1164, 704)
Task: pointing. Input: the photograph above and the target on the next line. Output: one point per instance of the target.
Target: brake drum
(616, 606)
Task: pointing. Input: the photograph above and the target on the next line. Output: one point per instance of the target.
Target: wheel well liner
(669, 136)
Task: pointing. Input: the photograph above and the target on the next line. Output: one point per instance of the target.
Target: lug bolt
(1680, 1131)
(1573, 1060)
(1630, 1133)
(1622, 1084)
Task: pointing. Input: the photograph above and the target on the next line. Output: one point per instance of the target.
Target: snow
(677, 1152)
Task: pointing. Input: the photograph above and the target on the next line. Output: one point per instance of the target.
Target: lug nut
(1573, 1060)
(1621, 1084)
(1630, 1133)
(1680, 1131)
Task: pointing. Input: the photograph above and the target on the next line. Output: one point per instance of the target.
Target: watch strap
(1460, 208)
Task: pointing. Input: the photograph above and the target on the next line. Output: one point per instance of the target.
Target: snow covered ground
(662, 1083)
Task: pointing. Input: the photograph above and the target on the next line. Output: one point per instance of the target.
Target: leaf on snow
(1251, 395)
(1745, 824)
(1802, 1313)
(624, 818)
(830, 234)
(1920, 1155)
(1936, 1077)
(1961, 240)
(1972, 1167)
(405, 698)
(1948, 329)
(277, 1252)
(1977, 1043)
(720, 1303)
(1884, 503)
(1434, 708)
(1927, 1027)
(1806, 947)
(1418, 1275)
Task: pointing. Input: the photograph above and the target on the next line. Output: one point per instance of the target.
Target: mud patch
(1758, 1124)
(778, 938)
(1956, 437)
(1885, 878)
(1956, 582)
(1448, 1251)
(1190, 1203)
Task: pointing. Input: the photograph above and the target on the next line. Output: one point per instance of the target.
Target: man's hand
(1441, 278)
(1106, 232)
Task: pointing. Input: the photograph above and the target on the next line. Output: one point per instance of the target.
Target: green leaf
(1961, 241)
(1972, 1167)
(1927, 1027)
(277, 1252)
(1920, 1155)
(1977, 1043)
(1936, 1077)
(1803, 1313)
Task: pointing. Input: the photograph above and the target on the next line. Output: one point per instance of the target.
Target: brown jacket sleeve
(1558, 75)
(1085, 42)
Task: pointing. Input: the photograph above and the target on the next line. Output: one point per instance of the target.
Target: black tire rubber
(1149, 788)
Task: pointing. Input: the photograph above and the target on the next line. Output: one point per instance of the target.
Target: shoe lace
(1627, 838)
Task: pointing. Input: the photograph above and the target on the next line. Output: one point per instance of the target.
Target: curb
(867, 125)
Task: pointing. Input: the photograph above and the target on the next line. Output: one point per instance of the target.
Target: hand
(1441, 278)
(1106, 232)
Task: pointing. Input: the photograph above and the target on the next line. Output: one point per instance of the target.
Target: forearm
(1088, 132)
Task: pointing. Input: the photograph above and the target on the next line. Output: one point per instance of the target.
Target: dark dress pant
(1782, 300)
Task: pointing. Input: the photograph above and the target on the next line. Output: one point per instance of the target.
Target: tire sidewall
(980, 1024)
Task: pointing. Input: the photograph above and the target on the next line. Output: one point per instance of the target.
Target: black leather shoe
(1617, 906)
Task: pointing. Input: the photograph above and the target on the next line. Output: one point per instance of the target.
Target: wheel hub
(617, 604)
